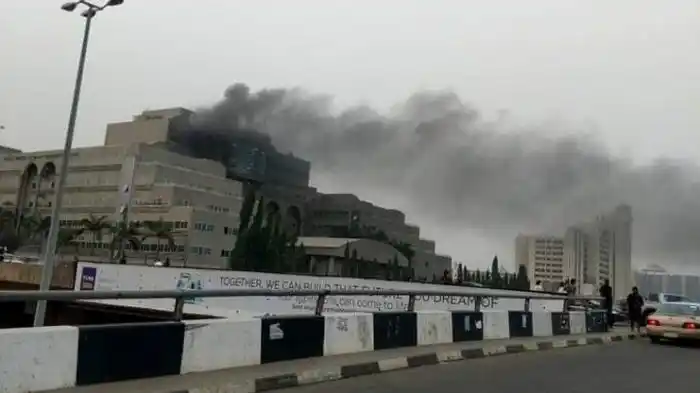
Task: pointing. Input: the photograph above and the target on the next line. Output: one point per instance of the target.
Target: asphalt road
(626, 367)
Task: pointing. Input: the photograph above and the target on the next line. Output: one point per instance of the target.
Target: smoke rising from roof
(436, 152)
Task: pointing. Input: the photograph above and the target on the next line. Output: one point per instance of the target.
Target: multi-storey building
(658, 280)
(600, 250)
(339, 215)
(152, 168)
(246, 154)
(543, 257)
(192, 196)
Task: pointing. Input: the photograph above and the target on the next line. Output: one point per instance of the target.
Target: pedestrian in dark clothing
(606, 293)
(635, 303)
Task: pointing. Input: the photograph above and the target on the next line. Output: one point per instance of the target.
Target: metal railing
(181, 296)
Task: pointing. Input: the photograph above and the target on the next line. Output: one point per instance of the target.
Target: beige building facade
(543, 257)
(602, 250)
(142, 173)
(589, 252)
(192, 196)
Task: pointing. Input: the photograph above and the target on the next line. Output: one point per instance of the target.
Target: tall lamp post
(50, 254)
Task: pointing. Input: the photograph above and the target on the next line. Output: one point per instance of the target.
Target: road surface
(627, 367)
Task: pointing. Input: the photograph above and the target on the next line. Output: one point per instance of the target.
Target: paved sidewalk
(315, 370)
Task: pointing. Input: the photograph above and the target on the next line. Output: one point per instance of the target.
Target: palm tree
(96, 226)
(123, 232)
(159, 230)
(7, 215)
(46, 171)
(67, 236)
(13, 234)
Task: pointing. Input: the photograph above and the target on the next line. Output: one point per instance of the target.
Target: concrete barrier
(467, 326)
(395, 330)
(577, 322)
(542, 324)
(111, 353)
(59, 357)
(220, 343)
(38, 359)
(561, 323)
(348, 333)
(433, 327)
(496, 325)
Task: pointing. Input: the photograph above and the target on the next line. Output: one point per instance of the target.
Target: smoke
(438, 155)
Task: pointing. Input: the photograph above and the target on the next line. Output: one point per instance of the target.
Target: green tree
(9, 230)
(124, 233)
(161, 231)
(300, 257)
(506, 281)
(237, 258)
(9, 239)
(522, 281)
(495, 280)
(460, 273)
(395, 268)
(66, 237)
(255, 239)
(96, 226)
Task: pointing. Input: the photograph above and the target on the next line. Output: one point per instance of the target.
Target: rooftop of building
(339, 247)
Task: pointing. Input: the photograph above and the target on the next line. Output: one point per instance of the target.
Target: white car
(655, 299)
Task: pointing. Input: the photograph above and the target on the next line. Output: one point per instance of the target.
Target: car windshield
(675, 298)
(679, 309)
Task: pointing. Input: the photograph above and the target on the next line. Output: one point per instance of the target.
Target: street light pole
(50, 253)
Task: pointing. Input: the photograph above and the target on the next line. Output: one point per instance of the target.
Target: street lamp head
(70, 7)
(114, 3)
(89, 13)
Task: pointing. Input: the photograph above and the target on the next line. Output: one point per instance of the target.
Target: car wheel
(655, 340)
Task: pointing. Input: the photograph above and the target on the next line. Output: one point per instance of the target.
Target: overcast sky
(627, 70)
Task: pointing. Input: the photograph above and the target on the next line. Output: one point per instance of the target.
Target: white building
(600, 250)
(543, 257)
(657, 280)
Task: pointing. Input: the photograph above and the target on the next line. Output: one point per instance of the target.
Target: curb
(313, 376)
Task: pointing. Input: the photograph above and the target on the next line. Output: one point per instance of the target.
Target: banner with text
(106, 277)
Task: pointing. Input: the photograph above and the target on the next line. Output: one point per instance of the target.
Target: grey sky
(628, 71)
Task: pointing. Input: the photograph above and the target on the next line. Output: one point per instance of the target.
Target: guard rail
(181, 296)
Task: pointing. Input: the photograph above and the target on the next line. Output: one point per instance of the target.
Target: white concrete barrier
(577, 322)
(348, 333)
(496, 325)
(215, 344)
(541, 323)
(37, 359)
(433, 327)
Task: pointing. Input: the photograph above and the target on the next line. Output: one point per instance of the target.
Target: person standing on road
(635, 303)
(606, 293)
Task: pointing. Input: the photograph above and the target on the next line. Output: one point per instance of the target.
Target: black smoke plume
(466, 172)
